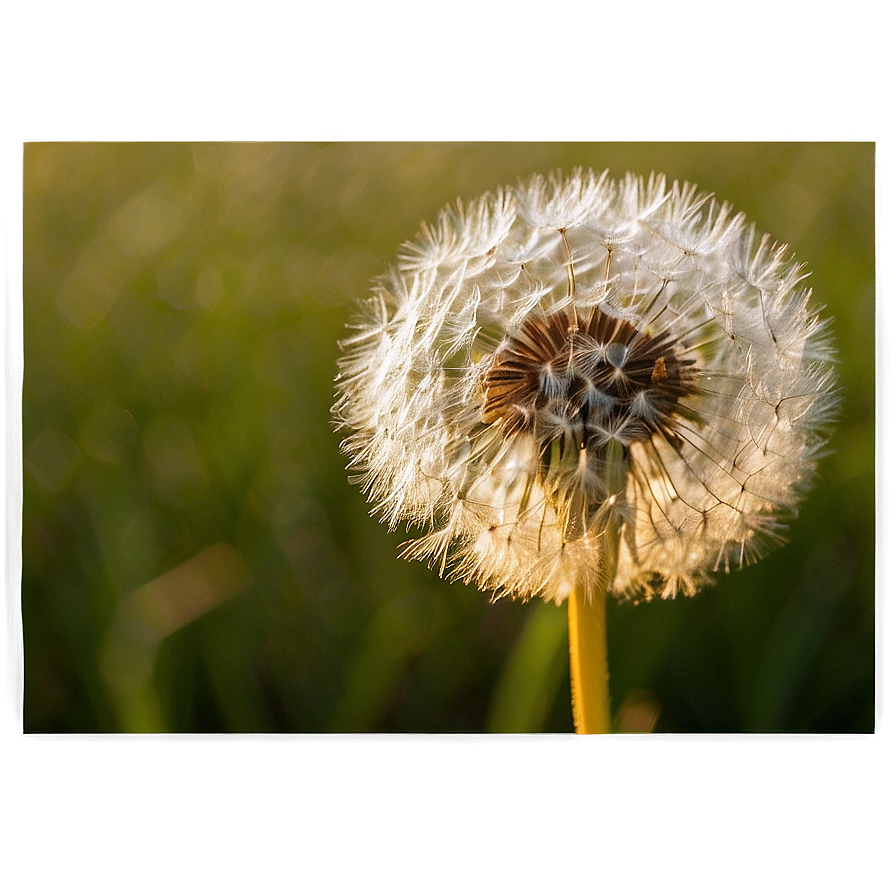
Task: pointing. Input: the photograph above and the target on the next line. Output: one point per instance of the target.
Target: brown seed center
(590, 379)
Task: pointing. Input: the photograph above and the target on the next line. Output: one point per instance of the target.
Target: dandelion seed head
(577, 356)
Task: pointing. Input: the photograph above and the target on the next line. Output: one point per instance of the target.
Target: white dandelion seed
(578, 365)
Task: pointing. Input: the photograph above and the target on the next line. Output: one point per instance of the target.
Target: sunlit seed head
(576, 355)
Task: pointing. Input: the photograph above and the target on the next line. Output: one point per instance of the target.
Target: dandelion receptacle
(579, 387)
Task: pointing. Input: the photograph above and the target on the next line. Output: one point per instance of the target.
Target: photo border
(443, 813)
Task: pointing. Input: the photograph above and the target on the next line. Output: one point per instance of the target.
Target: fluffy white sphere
(583, 382)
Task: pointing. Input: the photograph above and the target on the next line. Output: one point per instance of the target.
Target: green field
(194, 556)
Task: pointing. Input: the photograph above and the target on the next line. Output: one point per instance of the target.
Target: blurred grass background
(194, 558)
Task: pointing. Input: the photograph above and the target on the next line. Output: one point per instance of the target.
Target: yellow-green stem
(588, 669)
(589, 672)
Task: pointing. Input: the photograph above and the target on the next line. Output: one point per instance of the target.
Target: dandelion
(580, 386)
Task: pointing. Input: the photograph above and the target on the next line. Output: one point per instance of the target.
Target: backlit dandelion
(579, 386)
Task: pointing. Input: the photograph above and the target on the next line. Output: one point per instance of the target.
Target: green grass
(182, 309)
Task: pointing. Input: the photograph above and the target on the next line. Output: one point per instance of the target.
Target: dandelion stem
(588, 670)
